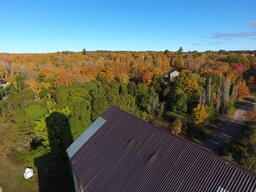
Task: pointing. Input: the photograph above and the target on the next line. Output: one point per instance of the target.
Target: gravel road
(230, 127)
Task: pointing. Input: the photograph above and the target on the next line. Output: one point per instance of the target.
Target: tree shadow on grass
(228, 131)
(53, 167)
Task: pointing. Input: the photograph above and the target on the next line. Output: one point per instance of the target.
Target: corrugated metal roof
(129, 154)
(85, 136)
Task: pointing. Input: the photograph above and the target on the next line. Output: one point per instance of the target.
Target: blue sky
(51, 25)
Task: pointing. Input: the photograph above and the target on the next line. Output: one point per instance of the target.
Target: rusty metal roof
(129, 154)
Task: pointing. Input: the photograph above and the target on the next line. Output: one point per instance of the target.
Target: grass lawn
(13, 163)
(160, 122)
(11, 179)
(11, 174)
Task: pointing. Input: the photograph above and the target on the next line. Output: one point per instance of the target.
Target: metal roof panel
(129, 154)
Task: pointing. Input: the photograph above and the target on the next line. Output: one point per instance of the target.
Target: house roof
(126, 153)
(174, 71)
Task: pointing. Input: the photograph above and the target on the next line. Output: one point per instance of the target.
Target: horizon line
(189, 51)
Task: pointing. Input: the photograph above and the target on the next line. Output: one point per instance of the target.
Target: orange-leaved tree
(108, 74)
(34, 86)
(63, 80)
(242, 90)
(147, 77)
(250, 115)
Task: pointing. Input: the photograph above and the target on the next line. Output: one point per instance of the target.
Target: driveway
(230, 127)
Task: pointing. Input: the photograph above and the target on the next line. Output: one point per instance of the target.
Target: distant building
(121, 152)
(248, 54)
(171, 76)
(4, 84)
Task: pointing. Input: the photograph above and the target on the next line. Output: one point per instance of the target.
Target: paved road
(230, 127)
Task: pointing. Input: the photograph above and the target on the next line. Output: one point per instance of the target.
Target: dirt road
(230, 127)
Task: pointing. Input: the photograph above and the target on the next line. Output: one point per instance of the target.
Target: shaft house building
(121, 152)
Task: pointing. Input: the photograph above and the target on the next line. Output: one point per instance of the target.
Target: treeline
(64, 68)
(202, 97)
(81, 103)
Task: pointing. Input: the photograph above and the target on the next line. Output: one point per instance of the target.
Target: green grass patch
(11, 179)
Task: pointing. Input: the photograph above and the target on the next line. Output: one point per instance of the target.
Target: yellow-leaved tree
(200, 115)
(187, 82)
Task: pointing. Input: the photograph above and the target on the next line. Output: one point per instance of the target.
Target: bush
(176, 126)
(230, 109)
(250, 163)
(250, 115)
(180, 104)
(200, 115)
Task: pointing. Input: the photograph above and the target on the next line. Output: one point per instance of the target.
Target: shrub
(176, 126)
(200, 115)
(250, 163)
(250, 115)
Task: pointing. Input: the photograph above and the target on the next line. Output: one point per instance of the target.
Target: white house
(173, 74)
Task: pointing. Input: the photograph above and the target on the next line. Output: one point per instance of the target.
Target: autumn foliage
(187, 83)
(251, 82)
(243, 90)
(63, 80)
(200, 115)
(81, 85)
(37, 87)
(147, 77)
(250, 115)
(239, 68)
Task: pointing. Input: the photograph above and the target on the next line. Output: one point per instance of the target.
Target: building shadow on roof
(53, 167)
